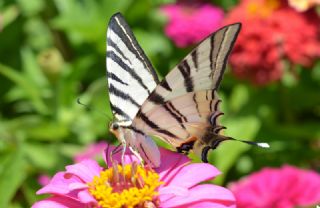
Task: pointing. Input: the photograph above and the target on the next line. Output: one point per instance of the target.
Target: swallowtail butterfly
(182, 109)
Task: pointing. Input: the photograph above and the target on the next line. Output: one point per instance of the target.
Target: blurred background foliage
(53, 52)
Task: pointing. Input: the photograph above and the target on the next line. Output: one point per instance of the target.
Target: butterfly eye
(114, 126)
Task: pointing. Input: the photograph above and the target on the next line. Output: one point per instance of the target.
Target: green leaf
(32, 69)
(226, 4)
(288, 79)
(239, 97)
(28, 87)
(30, 8)
(316, 72)
(152, 43)
(11, 176)
(42, 156)
(48, 131)
(9, 15)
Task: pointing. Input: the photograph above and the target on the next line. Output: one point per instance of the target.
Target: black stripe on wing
(194, 98)
(114, 77)
(165, 85)
(156, 98)
(211, 51)
(180, 115)
(224, 46)
(154, 126)
(124, 66)
(120, 112)
(126, 97)
(233, 40)
(121, 28)
(194, 56)
(115, 47)
(185, 70)
(175, 114)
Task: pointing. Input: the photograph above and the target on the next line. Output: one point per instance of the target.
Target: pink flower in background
(268, 39)
(190, 23)
(91, 152)
(285, 187)
(174, 184)
(44, 179)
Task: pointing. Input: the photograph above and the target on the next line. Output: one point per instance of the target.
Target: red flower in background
(285, 187)
(190, 23)
(272, 32)
(303, 5)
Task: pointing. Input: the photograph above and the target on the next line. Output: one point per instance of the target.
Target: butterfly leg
(136, 153)
(124, 145)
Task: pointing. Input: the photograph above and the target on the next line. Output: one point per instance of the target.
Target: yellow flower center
(262, 8)
(129, 186)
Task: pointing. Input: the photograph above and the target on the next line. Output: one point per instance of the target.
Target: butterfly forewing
(180, 107)
(203, 68)
(131, 77)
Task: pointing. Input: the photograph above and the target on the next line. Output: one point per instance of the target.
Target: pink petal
(85, 197)
(193, 174)
(77, 186)
(202, 193)
(85, 170)
(206, 205)
(168, 192)
(171, 162)
(59, 184)
(58, 202)
(173, 190)
(91, 152)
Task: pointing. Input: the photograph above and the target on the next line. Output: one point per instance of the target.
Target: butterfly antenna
(258, 144)
(90, 109)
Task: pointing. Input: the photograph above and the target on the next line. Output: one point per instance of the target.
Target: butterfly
(182, 109)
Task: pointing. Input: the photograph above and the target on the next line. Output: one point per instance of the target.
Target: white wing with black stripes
(131, 77)
(183, 108)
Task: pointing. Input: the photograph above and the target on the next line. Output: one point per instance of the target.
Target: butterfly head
(114, 128)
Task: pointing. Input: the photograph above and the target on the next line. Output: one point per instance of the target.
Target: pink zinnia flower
(278, 188)
(174, 184)
(267, 39)
(190, 23)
